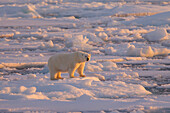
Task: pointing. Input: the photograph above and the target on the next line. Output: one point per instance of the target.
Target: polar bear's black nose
(87, 59)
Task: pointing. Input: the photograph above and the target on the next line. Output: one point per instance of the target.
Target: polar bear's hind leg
(72, 70)
(53, 76)
(71, 73)
(59, 75)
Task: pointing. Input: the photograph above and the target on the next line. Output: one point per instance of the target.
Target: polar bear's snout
(88, 59)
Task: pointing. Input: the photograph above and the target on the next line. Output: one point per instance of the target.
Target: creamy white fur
(67, 62)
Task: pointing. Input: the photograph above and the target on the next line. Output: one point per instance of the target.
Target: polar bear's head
(83, 56)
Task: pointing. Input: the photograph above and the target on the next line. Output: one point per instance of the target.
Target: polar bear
(67, 62)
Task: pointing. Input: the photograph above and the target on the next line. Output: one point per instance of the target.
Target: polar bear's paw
(82, 75)
(60, 78)
(57, 78)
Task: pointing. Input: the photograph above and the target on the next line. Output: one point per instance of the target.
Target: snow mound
(166, 43)
(164, 86)
(103, 36)
(137, 10)
(78, 41)
(54, 29)
(161, 52)
(102, 66)
(31, 76)
(50, 46)
(110, 51)
(146, 52)
(23, 65)
(5, 34)
(99, 76)
(70, 89)
(23, 11)
(93, 67)
(109, 66)
(157, 19)
(94, 38)
(19, 90)
(157, 35)
(84, 98)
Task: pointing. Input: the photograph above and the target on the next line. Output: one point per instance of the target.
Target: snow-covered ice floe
(130, 46)
(70, 89)
(38, 88)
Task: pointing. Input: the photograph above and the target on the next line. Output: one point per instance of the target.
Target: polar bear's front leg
(80, 70)
(72, 69)
(71, 73)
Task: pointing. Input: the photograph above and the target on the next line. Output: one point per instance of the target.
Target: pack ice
(128, 40)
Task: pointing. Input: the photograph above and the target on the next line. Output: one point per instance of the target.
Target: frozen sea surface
(129, 42)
